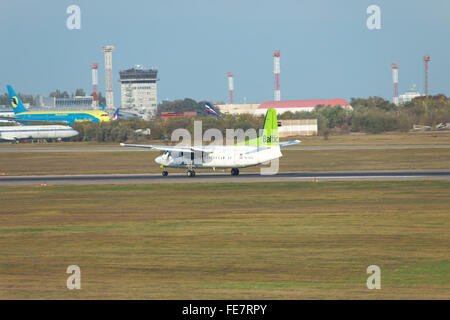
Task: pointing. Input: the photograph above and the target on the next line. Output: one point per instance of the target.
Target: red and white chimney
(276, 71)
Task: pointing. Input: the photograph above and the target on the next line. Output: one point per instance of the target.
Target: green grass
(37, 163)
(360, 139)
(227, 241)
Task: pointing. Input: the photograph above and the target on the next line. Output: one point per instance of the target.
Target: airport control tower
(139, 91)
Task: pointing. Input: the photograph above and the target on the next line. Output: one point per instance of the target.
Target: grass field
(41, 163)
(34, 163)
(237, 241)
(357, 139)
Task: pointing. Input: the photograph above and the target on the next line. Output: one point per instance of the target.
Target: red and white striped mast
(94, 85)
(395, 82)
(276, 71)
(230, 86)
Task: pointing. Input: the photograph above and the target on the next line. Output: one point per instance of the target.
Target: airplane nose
(74, 133)
(158, 160)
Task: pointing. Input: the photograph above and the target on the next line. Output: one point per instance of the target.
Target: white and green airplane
(242, 155)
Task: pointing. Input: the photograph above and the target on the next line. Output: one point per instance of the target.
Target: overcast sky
(327, 51)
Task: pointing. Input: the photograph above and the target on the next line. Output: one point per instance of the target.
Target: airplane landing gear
(235, 172)
(165, 173)
(191, 173)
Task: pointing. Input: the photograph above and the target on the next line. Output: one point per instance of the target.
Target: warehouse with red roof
(300, 105)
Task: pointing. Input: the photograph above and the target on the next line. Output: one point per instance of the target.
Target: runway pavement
(224, 178)
(10, 148)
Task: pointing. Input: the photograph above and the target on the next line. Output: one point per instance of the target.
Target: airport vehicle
(246, 154)
(36, 132)
(21, 114)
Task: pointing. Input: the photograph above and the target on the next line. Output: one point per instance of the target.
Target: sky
(327, 51)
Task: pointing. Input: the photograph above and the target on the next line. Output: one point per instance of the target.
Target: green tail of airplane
(269, 135)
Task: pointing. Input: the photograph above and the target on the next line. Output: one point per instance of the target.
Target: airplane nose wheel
(191, 173)
(235, 172)
(165, 173)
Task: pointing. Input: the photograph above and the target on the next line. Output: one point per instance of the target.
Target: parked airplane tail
(210, 110)
(116, 114)
(16, 104)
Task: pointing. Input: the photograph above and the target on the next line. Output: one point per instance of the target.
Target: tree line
(369, 115)
(376, 115)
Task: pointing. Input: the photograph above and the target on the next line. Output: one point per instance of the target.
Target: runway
(224, 178)
(8, 149)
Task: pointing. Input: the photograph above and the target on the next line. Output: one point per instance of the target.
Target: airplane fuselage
(220, 157)
(63, 116)
(36, 132)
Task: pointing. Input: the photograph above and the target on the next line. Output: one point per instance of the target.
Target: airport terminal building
(139, 91)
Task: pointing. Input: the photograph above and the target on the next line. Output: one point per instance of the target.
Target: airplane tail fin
(16, 104)
(210, 110)
(269, 136)
(116, 114)
(270, 131)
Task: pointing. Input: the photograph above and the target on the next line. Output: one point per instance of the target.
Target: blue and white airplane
(21, 114)
(17, 133)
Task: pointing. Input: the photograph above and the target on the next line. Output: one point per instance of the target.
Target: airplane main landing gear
(191, 173)
(165, 173)
(235, 172)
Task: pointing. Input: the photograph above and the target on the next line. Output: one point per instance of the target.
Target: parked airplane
(70, 116)
(249, 153)
(36, 132)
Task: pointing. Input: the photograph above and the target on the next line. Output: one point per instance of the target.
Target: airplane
(36, 132)
(246, 154)
(21, 114)
(124, 115)
(210, 110)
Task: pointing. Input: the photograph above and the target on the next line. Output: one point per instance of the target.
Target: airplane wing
(170, 148)
(8, 118)
(289, 143)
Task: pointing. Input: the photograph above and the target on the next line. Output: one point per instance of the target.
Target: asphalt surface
(298, 147)
(224, 178)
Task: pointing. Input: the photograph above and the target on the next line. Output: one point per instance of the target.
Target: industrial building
(165, 115)
(409, 95)
(60, 104)
(302, 127)
(235, 109)
(281, 106)
(300, 105)
(139, 91)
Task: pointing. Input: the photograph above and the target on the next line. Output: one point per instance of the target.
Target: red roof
(303, 103)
